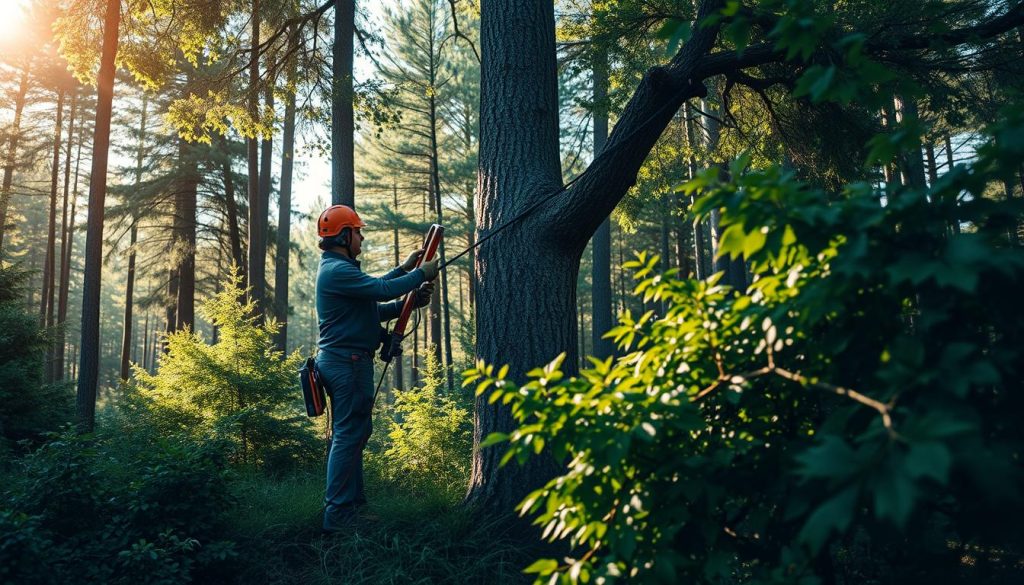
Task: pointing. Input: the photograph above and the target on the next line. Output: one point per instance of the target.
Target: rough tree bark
(89, 367)
(343, 181)
(518, 165)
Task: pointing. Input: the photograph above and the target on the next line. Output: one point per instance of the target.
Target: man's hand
(430, 269)
(410, 261)
(423, 294)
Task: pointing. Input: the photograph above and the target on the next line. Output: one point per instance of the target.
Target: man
(350, 307)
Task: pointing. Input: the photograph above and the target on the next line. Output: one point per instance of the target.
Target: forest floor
(406, 537)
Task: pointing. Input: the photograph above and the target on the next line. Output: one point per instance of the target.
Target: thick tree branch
(664, 89)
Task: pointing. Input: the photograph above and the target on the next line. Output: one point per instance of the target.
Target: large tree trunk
(126, 339)
(89, 367)
(12, 152)
(284, 213)
(343, 181)
(257, 241)
(519, 166)
(601, 245)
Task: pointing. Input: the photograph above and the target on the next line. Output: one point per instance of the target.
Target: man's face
(356, 246)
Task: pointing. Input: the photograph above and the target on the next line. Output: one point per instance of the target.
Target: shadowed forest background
(753, 314)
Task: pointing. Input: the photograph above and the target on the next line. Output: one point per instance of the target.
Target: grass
(419, 537)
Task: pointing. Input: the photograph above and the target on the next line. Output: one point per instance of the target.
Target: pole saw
(393, 341)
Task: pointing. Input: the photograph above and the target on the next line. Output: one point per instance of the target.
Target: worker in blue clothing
(350, 306)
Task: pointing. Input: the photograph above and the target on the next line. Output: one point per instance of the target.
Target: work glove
(423, 294)
(430, 269)
(410, 261)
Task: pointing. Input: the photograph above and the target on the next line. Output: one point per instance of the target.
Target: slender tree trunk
(414, 371)
(266, 175)
(949, 167)
(127, 338)
(49, 267)
(343, 182)
(89, 367)
(185, 244)
(284, 214)
(65, 289)
(12, 151)
(145, 343)
(231, 207)
(436, 343)
(257, 244)
(57, 346)
(601, 244)
(172, 300)
(933, 172)
(666, 261)
(435, 176)
(913, 164)
(699, 262)
(398, 259)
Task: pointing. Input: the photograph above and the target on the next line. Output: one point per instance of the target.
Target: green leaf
(834, 515)
(831, 458)
(542, 567)
(929, 459)
(894, 493)
(494, 439)
(676, 31)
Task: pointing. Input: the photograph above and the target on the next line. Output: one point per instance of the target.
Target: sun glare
(12, 19)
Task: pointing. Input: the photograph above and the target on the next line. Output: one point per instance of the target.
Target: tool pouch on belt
(312, 388)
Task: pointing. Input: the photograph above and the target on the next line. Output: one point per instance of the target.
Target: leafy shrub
(117, 508)
(430, 438)
(867, 384)
(28, 408)
(240, 388)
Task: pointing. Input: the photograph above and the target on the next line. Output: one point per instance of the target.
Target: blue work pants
(349, 380)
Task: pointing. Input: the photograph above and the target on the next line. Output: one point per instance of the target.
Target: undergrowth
(405, 537)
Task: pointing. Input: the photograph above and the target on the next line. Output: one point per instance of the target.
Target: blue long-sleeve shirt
(349, 302)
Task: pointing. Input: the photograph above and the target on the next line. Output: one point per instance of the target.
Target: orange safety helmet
(336, 218)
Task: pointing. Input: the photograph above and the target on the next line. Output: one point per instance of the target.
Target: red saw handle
(430, 245)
